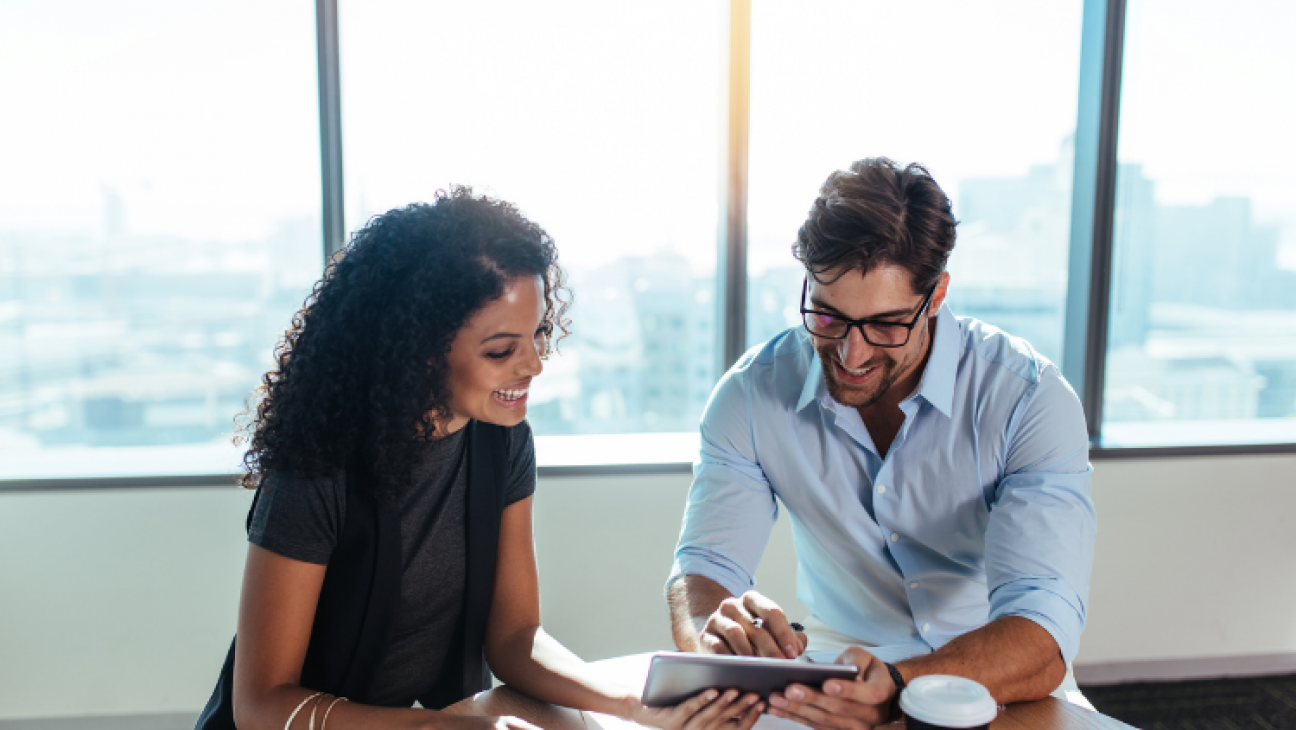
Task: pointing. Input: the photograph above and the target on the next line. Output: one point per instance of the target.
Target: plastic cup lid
(939, 699)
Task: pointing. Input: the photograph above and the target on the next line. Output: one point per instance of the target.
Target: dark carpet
(1264, 703)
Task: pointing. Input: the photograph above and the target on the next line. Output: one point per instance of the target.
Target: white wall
(1195, 558)
(124, 601)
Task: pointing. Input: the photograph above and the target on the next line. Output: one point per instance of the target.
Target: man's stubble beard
(843, 394)
(885, 379)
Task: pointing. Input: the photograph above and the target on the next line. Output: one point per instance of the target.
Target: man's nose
(854, 351)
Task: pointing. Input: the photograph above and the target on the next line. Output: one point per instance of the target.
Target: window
(602, 122)
(1202, 337)
(985, 98)
(160, 215)
(159, 223)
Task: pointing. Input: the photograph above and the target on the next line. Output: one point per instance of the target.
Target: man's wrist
(899, 681)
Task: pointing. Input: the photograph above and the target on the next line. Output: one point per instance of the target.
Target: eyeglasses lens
(828, 326)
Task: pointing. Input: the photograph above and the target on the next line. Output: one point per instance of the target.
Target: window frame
(1086, 314)
(1085, 337)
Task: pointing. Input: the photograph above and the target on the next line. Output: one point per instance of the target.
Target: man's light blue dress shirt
(980, 509)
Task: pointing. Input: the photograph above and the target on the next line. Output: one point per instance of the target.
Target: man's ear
(942, 287)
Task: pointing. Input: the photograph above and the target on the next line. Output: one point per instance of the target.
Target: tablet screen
(674, 676)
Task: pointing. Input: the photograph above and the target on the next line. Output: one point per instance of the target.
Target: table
(1046, 714)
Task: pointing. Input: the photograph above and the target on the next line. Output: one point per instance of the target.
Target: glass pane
(985, 98)
(602, 122)
(1202, 345)
(159, 224)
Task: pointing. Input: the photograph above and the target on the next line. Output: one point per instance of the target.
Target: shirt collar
(937, 384)
(814, 386)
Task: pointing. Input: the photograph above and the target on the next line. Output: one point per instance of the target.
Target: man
(935, 470)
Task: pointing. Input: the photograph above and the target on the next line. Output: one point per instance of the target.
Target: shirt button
(895, 537)
(926, 628)
(881, 489)
(913, 584)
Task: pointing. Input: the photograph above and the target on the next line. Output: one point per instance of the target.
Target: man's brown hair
(876, 213)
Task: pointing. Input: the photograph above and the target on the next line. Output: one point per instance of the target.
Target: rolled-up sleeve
(731, 508)
(1040, 540)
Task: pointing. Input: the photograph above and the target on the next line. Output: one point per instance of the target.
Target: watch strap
(899, 684)
(895, 676)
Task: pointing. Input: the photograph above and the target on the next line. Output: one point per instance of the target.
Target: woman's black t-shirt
(301, 519)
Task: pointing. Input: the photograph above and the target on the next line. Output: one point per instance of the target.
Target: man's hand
(842, 705)
(751, 626)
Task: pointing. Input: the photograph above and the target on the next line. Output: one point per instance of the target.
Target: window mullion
(731, 269)
(1084, 357)
(330, 130)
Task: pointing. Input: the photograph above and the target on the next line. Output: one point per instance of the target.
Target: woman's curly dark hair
(361, 373)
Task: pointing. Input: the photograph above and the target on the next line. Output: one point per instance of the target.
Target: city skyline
(118, 340)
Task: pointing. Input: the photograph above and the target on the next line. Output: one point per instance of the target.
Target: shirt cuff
(1035, 600)
(709, 565)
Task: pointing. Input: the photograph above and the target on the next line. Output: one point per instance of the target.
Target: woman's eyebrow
(501, 336)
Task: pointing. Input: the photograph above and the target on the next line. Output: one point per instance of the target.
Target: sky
(1209, 97)
(604, 120)
(200, 116)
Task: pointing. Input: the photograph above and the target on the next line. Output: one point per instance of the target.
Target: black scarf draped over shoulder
(361, 593)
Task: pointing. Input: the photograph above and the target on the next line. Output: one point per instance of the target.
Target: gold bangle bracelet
(329, 709)
(314, 707)
(300, 705)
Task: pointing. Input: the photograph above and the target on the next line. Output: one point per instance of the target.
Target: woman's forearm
(271, 710)
(534, 662)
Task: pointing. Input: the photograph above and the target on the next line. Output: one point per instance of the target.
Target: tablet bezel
(676, 676)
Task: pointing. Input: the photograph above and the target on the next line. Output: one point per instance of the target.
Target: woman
(391, 535)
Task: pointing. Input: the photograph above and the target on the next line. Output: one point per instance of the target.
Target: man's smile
(860, 376)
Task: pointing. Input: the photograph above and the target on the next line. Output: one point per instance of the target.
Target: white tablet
(675, 676)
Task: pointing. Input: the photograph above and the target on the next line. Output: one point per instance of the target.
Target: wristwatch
(900, 685)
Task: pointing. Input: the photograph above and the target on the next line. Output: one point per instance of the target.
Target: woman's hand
(710, 710)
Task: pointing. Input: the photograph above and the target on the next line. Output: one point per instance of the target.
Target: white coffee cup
(943, 702)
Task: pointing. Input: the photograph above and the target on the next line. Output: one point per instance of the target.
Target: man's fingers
(712, 644)
(839, 705)
(775, 623)
(818, 710)
(732, 624)
(873, 690)
(828, 710)
(822, 721)
(733, 634)
(760, 641)
(764, 642)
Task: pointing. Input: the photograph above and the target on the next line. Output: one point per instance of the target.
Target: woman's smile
(512, 397)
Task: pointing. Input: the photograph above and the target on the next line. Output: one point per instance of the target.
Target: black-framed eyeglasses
(878, 334)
